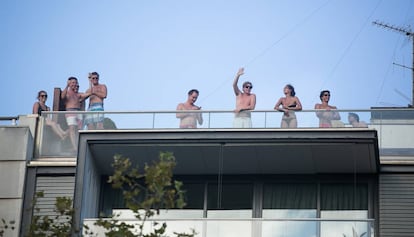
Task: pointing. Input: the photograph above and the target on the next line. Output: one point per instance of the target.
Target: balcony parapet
(256, 227)
(395, 128)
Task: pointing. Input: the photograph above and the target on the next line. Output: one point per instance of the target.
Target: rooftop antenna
(406, 31)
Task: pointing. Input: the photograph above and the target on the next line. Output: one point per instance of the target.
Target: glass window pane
(110, 198)
(293, 228)
(286, 196)
(194, 195)
(230, 201)
(289, 200)
(230, 196)
(345, 228)
(344, 196)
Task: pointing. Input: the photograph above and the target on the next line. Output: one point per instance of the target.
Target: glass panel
(289, 213)
(257, 227)
(289, 228)
(225, 201)
(344, 201)
(194, 195)
(345, 229)
(344, 197)
(289, 196)
(289, 201)
(395, 126)
(228, 229)
(110, 198)
(229, 213)
(363, 214)
(128, 214)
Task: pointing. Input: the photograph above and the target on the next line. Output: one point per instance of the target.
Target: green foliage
(145, 194)
(4, 225)
(109, 123)
(56, 226)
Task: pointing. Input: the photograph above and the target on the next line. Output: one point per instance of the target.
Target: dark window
(289, 196)
(230, 196)
(289, 200)
(344, 197)
(194, 195)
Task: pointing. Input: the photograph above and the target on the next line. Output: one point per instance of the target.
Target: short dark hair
(323, 92)
(247, 82)
(72, 78)
(355, 116)
(95, 74)
(190, 92)
(292, 89)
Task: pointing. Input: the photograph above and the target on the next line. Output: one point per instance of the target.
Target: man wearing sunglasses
(96, 102)
(73, 102)
(326, 116)
(245, 101)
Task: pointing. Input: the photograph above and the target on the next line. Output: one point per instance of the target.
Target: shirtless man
(353, 119)
(98, 94)
(189, 120)
(245, 101)
(326, 116)
(73, 101)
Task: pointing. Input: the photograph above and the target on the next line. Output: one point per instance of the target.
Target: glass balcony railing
(256, 227)
(4, 121)
(54, 137)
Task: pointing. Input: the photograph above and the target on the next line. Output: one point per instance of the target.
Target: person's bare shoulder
(180, 106)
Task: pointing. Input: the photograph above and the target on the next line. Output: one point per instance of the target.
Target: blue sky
(150, 53)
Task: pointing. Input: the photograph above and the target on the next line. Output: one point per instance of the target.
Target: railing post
(153, 120)
(209, 119)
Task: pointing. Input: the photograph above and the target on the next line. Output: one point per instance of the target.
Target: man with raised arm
(73, 102)
(245, 101)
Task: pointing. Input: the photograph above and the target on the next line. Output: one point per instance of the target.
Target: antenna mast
(410, 35)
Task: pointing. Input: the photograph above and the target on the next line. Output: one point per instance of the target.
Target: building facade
(262, 181)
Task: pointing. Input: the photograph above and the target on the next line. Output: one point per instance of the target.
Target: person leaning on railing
(40, 106)
(327, 117)
(288, 105)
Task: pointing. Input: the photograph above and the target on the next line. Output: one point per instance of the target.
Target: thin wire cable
(383, 80)
(265, 50)
(341, 58)
(303, 21)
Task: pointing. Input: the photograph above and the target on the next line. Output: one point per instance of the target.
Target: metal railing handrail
(247, 219)
(12, 119)
(217, 111)
(6, 118)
